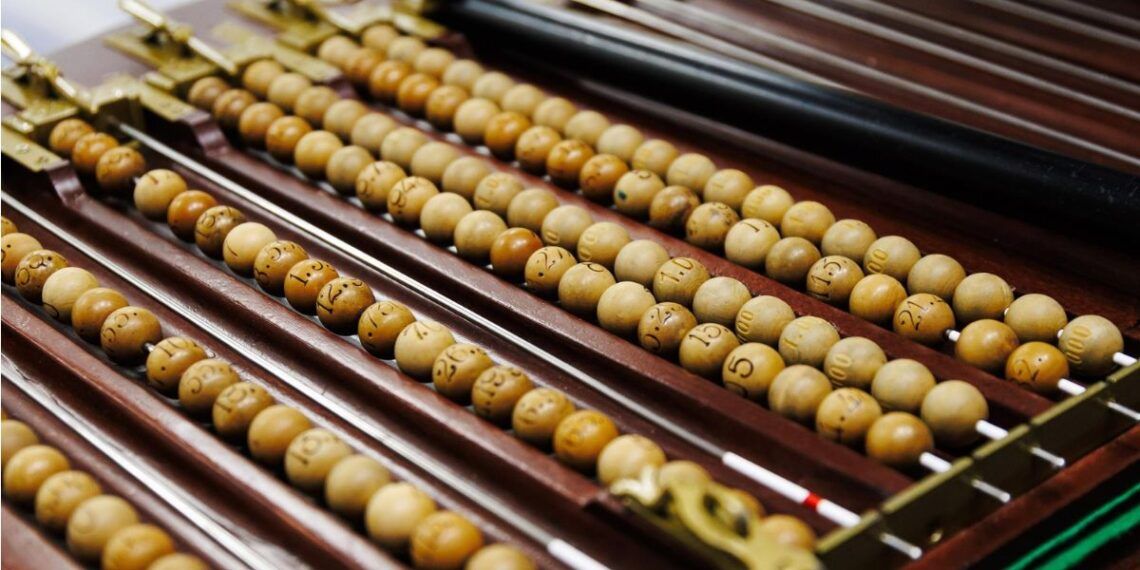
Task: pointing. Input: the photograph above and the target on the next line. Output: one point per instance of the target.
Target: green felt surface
(1110, 522)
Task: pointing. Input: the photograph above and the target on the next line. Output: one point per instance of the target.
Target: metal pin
(939, 465)
(1072, 388)
(996, 432)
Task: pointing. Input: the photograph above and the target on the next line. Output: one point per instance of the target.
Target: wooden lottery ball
(1089, 342)
(565, 161)
(471, 119)
(433, 61)
(155, 191)
(178, 561)
(600, 175)
(272, 263)
(394, 512)
(135, 547)
(790, 259)
(763, 319)
(678, 279)
(13, 248)
(377, 37)
(184, 211)
(846, 415)
(344, 167)
(936, 274)
(833, 278)
(127, 331)
(418, 345)
(626, 457)
(229, 106)
(691, 170)
(797, 391)
(314, 151)
(341, 302)
(304, 282)
(533, 146)
(271, 431)
(581, 437)
(457, 368)
(545, 268)
(476, 233)
(849, 238)
(65, 133)
(169, 360)
(312, 103)
(1036, 317)
(728, 186)
(34, 270)
(582, 287)
(523, 98)
(923, 318)
(442, 105)
(337, 49)
(981, 296)
(663, 327)
(375, 182)
(286, 88)
(511, 250)
(7, 227)
(311, 456)
(586, 126)
(89, 149)
(92, 308)
(853, 362)
(537, 414)
(432, 159)
(94, 522)
(788, 531)
(875, 297)
(385, 79)
(340, 118)
(27, 469)
(671, 207)
(708, 225)
(750, 369)
(529, 207)
(952, 410)
(621, 141)
(63, 288)
(16, 435)
(202, 382)
(359, 66)
(554, 112)
(497, 390)
(1038, 366)
(564, 225)
(654, 155)
(213, 226)
(705, 348)
(440, 214)
(807, 219)
(405, 48)
(496, 191)
(601, 242)
(407, 197)
(892, 255)
(464, 174)
(283, 135)
(205, 91)
(806, 340)
(986, 344)
(380, 325)
(401, 145)
(901, 385)
(59, 496)
(118, 168)
(635, 191)
(639, 260)
(413, 93)
(370, 131)
(719, 299)
(500, 557)
(259, 75)
(769, 203)
(898, 439)
(352, 482)
(492, 86)
(621, 306)
(243, 243)
(749, 241)
(683, 473)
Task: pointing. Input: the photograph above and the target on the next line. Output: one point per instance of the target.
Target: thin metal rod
(1093, 13)
(1072, 388)
(939, 465)
(995, 432)
(1067, 24)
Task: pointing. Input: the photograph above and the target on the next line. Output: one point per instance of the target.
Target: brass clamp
(304, 24)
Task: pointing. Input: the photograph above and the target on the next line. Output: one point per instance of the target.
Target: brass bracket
(25, 151)
(304, 24)
(245, 40)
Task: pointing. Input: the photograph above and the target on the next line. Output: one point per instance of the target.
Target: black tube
(1062, 193)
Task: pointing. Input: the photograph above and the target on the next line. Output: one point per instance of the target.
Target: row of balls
(98, 528)
(398, 516)
(814, 250)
